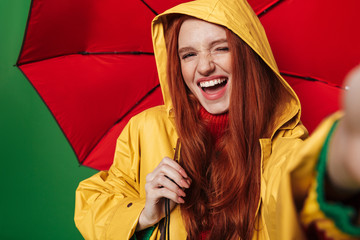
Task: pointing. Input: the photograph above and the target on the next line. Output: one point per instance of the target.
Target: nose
(205, 65)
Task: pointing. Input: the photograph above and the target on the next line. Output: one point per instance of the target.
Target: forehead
(197, 31)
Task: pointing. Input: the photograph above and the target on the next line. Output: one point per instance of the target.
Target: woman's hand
(168, 180)
(344, 154)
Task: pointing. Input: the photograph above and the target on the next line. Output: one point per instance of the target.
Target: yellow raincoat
(108, 204)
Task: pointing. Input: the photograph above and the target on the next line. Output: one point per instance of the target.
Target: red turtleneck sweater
(216, 123)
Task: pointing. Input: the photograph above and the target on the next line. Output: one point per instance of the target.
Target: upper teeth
(212, 83)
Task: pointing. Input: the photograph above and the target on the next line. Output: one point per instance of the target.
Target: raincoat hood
(237, 16)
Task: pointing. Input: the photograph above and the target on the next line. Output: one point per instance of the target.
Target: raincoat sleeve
(108, 204)
(321, 218)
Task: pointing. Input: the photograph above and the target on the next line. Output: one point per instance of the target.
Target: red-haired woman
(227, 148)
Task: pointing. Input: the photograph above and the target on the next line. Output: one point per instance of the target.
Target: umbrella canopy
(316, 41)
(92, 61)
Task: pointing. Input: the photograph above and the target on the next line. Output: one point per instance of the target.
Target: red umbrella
(316, 41)
(92, 61)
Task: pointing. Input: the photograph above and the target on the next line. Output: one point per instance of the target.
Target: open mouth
(213, 86)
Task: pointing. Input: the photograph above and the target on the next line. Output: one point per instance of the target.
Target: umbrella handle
(167, 201)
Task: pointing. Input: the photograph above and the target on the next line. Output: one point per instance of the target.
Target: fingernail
(185, 184)
(180, 200)
(181, 193)
(182, 172)
(189, 182)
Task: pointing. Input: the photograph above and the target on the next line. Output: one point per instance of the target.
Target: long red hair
(225, 190)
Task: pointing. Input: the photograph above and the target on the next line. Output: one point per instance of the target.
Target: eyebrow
(187, 49)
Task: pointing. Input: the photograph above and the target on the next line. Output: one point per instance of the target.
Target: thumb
(352, 101)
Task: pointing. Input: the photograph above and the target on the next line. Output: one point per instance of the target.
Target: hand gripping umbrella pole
(167, 201)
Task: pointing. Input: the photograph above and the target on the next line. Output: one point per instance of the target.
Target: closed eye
(187, 55)
(223, 49)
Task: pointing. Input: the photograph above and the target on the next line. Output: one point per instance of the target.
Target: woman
(245, 169)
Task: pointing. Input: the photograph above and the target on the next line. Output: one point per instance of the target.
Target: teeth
(212, 83)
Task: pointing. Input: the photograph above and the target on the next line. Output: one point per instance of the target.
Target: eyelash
(223, 49)
(187, 55)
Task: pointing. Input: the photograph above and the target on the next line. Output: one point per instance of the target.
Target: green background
(39, 172)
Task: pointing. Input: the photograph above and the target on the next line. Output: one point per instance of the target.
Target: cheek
(227, 64)
(187, 74)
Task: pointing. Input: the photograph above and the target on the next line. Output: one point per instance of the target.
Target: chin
(216, 109)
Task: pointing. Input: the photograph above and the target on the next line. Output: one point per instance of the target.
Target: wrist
(144, 222)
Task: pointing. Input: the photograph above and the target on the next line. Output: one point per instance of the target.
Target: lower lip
(216, 95)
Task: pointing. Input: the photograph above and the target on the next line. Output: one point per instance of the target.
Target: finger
(188, 182)
(175, 165)
(164, 182)
(170, 184)
(159, 168)
(173, 174)
(167, 186)
(166, 193)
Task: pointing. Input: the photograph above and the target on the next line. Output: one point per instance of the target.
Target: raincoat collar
(238, 16)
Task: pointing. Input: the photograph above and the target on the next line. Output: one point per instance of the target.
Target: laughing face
(206, 63)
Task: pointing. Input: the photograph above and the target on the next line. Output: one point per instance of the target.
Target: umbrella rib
(120, 53)
(267, 8)
(121, 118)
(138, 102)
(149, 7)
(25, 33)
(86, 53)
(311, 79)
